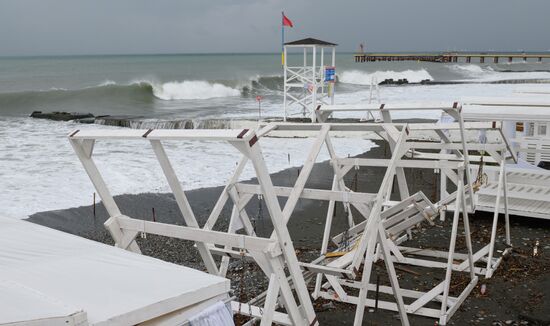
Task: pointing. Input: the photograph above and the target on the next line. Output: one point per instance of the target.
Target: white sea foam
(192, 90)
(488, 74)
(40, 171)
(443, 93)
(365, 78)
(470, 70)
(106, 83)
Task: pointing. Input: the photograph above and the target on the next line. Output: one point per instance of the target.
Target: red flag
(287, 22)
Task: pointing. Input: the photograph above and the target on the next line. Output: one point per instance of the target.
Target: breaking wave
(358, 77)
(489, 74)
(471, 70)
(191, 90)
(109, 93)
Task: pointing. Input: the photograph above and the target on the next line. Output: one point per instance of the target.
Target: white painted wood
(393, 276)
(279, 226)
(495, 219)
(164, 134)
(416, 164)
(270, 301)
(309, 193)
(245, 309)
(449, 269)
(341, 185)
(182, 202)
(377, 209)
(425, 298)
(198, 235)
(305, 170)
(220, 203)
(101, 188)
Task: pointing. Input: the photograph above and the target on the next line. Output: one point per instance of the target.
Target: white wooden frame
(272, 255)
(277, 252)
(338, 276)
(323, 112)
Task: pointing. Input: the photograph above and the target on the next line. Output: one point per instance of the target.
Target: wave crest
(191, 90)
(358, 77)
(469, 69)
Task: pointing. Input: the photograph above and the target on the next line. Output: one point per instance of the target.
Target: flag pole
(282, 38)
(283, 60)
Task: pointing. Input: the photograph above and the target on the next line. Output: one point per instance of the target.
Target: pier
(466, 57)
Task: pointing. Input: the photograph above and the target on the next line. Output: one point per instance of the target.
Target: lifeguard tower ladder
(312, 83)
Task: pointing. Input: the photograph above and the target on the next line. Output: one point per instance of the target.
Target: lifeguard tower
(311, 83)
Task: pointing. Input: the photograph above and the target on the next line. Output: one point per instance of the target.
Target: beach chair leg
(392, 276)
(340, 179)
(466, 221)
(489, 271)
(450, 259)
(183, 203)
(365, 279)
(281, 231)
(326, 236)
(224, 264)
(506, 213)
(270, 301)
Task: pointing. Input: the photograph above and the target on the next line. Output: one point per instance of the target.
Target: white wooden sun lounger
(528, 192)
(323, 112)
(528, 186)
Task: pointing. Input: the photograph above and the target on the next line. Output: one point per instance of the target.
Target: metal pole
(314, 79)
(282, 39)
(334, 65)
(284, 83)
(94, 204)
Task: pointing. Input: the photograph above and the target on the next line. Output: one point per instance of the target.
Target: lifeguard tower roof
(311, 41)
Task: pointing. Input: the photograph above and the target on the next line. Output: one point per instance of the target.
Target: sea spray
(192, 90)
(358, 77)
(488, 74)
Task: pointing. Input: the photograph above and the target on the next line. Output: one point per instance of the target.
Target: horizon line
(247, 53)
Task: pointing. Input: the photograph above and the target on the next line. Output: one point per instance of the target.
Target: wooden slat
(327, 270)
(164, 134)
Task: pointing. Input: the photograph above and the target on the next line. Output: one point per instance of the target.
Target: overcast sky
(51, 27)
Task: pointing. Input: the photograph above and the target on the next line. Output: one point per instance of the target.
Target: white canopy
(505, 113)
(45, 273)
(506, 108)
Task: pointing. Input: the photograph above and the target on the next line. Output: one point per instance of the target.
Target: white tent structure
(48, 277)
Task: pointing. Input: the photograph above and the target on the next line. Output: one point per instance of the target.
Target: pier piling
(448, 57)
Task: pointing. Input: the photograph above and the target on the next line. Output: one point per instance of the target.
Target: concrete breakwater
(140, 122)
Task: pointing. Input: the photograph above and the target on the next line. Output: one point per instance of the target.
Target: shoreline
(516, 280)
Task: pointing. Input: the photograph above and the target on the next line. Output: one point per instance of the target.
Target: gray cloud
(37, 27)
